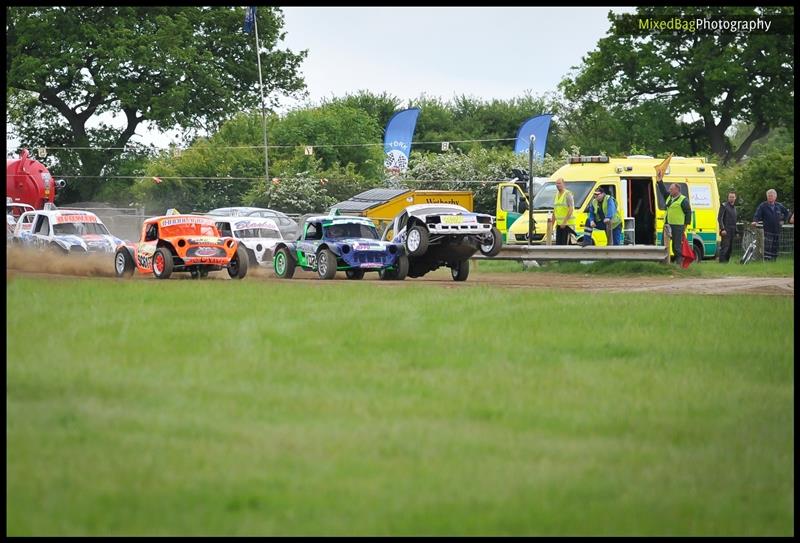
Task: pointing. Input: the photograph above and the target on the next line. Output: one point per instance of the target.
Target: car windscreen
(189, 229)
(80, 229)
(546, 196)
(256, 233)
(350, 230)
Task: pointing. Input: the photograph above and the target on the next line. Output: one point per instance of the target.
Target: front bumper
(375, 260)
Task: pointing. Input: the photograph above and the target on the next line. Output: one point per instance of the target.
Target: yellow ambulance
(631, 181)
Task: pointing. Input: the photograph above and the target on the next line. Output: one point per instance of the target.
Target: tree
(772, 169)
(337, 132)
(721, 78)
(167, 67)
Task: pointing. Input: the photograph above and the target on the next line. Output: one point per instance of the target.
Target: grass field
(783, 267)
(222, 407)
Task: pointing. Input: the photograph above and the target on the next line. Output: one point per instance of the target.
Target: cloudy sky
(439, 51)
(442, 51)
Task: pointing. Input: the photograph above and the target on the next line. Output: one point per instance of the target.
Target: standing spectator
(727, 227)
(564, 213)
(679, 215)
(772, 214)
(603, 211)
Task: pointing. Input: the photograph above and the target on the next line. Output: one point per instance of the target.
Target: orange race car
(181, 243)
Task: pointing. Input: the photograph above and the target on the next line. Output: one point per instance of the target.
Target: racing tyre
(460, 271)
(162, 263)
(491, 247)
(417, 240)
(237, 269)
(203, 273)
(284, 264)
(387, 275)
(123, 263)
(355, 274)
(401, 269)
(326, 264)
(56, 250)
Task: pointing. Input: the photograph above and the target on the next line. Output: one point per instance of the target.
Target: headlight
(345, 249)
(392, 249)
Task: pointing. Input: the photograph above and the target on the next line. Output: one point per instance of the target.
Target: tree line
(725, 96)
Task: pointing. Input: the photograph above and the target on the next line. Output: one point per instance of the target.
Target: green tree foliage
(772, 169)
(380, 107)
(721, 78)
(468, 118)
(337, 132)
(166, 67)
(236, 151)
(648, 128)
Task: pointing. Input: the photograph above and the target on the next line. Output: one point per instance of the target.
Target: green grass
(783, 267)
(222, 407)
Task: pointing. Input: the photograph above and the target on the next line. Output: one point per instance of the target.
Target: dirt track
(26, 263)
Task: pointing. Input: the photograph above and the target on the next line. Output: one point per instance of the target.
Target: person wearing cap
(603, 214)
(678, 217)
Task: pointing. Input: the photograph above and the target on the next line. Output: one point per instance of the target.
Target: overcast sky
(442, 51)
(439, 51)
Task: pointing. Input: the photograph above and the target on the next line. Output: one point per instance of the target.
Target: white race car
(65, 231)
(436, 235)
(14, 211)
(258, 235)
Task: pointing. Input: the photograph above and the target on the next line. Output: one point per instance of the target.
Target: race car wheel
(399, 272)
(460, 271)
(123, 263)
(195, 273)
(354, 274)
(492, 243)
(162, 263)
(56, 249)
(284, 264)
(237, 269)
(417, 240)
(326, 264)
(401, 267)
(203, 273)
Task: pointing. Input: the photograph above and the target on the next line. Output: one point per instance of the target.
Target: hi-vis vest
(675, 214)
(561, 209)
(616, 220)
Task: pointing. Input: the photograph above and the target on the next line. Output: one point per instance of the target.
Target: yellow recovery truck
(383, 205)
(631, 181)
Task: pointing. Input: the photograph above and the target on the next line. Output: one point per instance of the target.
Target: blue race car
(336, 242)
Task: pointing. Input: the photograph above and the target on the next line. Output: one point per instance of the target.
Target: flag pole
(263, 110)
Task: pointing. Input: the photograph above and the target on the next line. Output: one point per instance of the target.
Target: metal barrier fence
(767, 245)
(123, 222)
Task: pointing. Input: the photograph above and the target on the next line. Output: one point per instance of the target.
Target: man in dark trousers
(772, 214)
(679, 215)
(727, 227)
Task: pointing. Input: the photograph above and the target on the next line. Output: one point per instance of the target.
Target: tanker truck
(29, 182)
